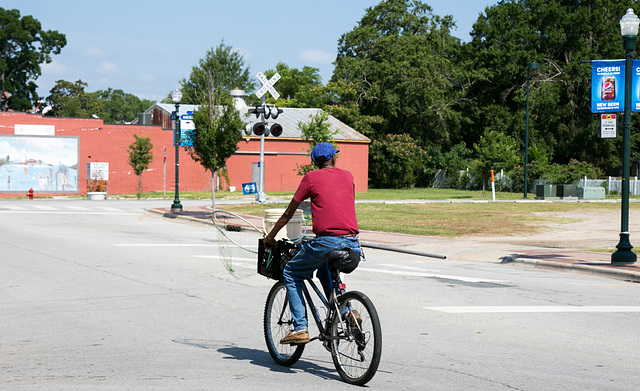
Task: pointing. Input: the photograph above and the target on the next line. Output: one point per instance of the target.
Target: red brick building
(100, 142)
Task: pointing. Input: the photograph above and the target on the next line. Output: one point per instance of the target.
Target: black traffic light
(260, 128)
(276, 130)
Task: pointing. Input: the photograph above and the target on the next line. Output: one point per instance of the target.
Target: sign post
(164, 171)
(267, 86)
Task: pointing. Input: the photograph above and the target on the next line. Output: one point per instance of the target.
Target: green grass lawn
(453, 219)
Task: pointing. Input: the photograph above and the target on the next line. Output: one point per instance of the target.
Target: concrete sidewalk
(473, 249)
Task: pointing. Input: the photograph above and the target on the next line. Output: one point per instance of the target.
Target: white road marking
(165, 245)
(109, 209)
(405, 267)
(66, 212)
(11, 207)
(430, 275)
(74, 207)
(44, 207)
(252, 260)
(532, 309)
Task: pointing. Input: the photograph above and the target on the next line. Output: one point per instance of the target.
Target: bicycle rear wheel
(277, 322)
(356, 344)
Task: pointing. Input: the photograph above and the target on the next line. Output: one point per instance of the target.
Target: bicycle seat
(345, 260)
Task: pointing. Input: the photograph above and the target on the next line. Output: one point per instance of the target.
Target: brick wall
(100, 142)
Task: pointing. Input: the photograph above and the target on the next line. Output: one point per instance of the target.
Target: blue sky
(146, 47)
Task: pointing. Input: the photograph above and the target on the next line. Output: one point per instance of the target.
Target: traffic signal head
(275, 111)
(271, 112)
(260, 128)
(276, 130)
(257, 110)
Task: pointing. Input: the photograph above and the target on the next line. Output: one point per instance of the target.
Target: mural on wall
(44, 164)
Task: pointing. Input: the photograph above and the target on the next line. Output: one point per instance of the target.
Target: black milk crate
(271, 263)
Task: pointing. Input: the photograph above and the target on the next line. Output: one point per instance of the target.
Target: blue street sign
(186, 117)
(249, 188)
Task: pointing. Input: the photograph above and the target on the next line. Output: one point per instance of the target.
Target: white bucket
(294, 227)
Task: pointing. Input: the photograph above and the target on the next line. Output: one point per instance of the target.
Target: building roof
(288, 119)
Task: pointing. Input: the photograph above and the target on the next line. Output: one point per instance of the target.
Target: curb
(618, 274)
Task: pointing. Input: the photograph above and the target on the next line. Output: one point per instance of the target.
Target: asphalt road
(105, 296)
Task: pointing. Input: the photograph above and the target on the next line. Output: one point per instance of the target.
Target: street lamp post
(629, 31)
(176, 96)
(530, 66)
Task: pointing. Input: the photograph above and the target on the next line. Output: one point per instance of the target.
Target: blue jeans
(312, 256)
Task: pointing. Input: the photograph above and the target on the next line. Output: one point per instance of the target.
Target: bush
(397, 161)
(558, 174)
(569, 173)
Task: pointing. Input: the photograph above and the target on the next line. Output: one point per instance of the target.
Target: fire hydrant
(30, 194)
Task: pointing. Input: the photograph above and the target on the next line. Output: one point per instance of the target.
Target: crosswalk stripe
(108, 209)
(73, 207)
(44, 207)
(12, 207)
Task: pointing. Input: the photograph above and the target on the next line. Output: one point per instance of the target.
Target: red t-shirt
(332, 194)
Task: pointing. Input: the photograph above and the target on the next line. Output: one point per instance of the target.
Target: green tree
(224, 68)
(69, 99)
(295, 83)
(496, 151)
(400, 60)
(563, 36)
(116, 106)
(340, 99)
(24, 46)
(315, 132)
(218, 129)
(140, 157)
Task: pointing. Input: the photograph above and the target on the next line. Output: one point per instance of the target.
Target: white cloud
(93, 52)
(54, 69)
(316, 57)
(246, 55)
(107, 68)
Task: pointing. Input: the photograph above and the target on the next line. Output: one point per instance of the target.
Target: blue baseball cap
(323, 152)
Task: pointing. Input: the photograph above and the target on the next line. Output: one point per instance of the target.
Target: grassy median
(452, 218)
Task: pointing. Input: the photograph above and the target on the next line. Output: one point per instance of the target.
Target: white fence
(613, 185)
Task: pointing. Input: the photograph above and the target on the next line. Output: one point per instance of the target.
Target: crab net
(237, 243)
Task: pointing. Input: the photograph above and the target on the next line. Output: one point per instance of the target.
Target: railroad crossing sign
(267, 85)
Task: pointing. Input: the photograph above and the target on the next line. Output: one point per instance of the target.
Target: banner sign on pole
(635, 86)
(607, 86)
(608, 127)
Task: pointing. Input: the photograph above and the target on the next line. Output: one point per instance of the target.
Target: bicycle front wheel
(356, 338)
(277, 322)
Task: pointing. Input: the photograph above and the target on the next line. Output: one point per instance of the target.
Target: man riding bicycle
(332, 193)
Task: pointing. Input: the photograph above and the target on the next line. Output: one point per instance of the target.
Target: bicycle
(350, 331)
